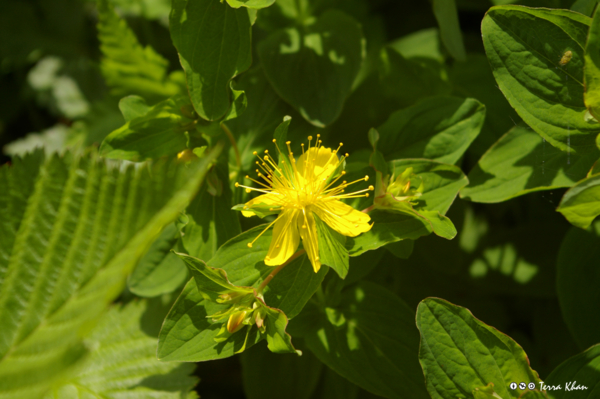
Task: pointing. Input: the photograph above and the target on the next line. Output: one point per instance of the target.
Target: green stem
(278, 269)
(238, 158)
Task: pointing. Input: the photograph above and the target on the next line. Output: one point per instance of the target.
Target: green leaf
(581, 204)
(128, 67)
(591, 75)
(447, 18)
(160, 132)
(331, 248)
(388, 227)
(75, 230)
(159, 271)
(293, 286)
(441, 182)
(577, 277)
(580, 370)
(401, 249)
(238, 106)
(211, 220)
(324, 57)
(211, 282)
(255, 4)
(379, 332)
(133, 107)
(521, 162)
(213, 41)
(547, 95)
(334, 386)
(585, 7)
(437, 128)
(408, 80)
(297, 376)
(278, 341)
(124, 362)
(459, 353)
(187, 335)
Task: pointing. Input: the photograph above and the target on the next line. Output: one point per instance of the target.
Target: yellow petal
(266, 199)
(343, 218)
(319, 163)
(285, 239)
(308, 233)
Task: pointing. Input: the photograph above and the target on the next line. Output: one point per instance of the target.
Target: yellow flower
(299, 191)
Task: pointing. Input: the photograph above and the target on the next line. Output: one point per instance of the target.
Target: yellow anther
(371, 188)
(248, 191)
(274, 141)
(367, 178)
(341, 144)
(237, 184)
(288, 142)
(249, 245)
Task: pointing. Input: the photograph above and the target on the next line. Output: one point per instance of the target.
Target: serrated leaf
(437, 128)
(459, 353)
(324, 57)
(579, 371)
(379, 332)
(545, 93)
(521, 162)
(221, 53)
(80, 228)
(577, 275)
(124, 362)
(128, 67)
(159, 271)
(581, 203)
(159, 132)
(331, 249)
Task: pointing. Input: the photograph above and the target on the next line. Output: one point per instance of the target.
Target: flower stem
(278, 269)
(369, 209)
(238, 158)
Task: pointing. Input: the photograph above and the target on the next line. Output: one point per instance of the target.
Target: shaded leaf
(577, 277)
(297, 376)
(379, 332)
(591, 75)
(159, 271)
(437, 128)
(213, 41)
(582, 370)
(447, 18)
(324, 58)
